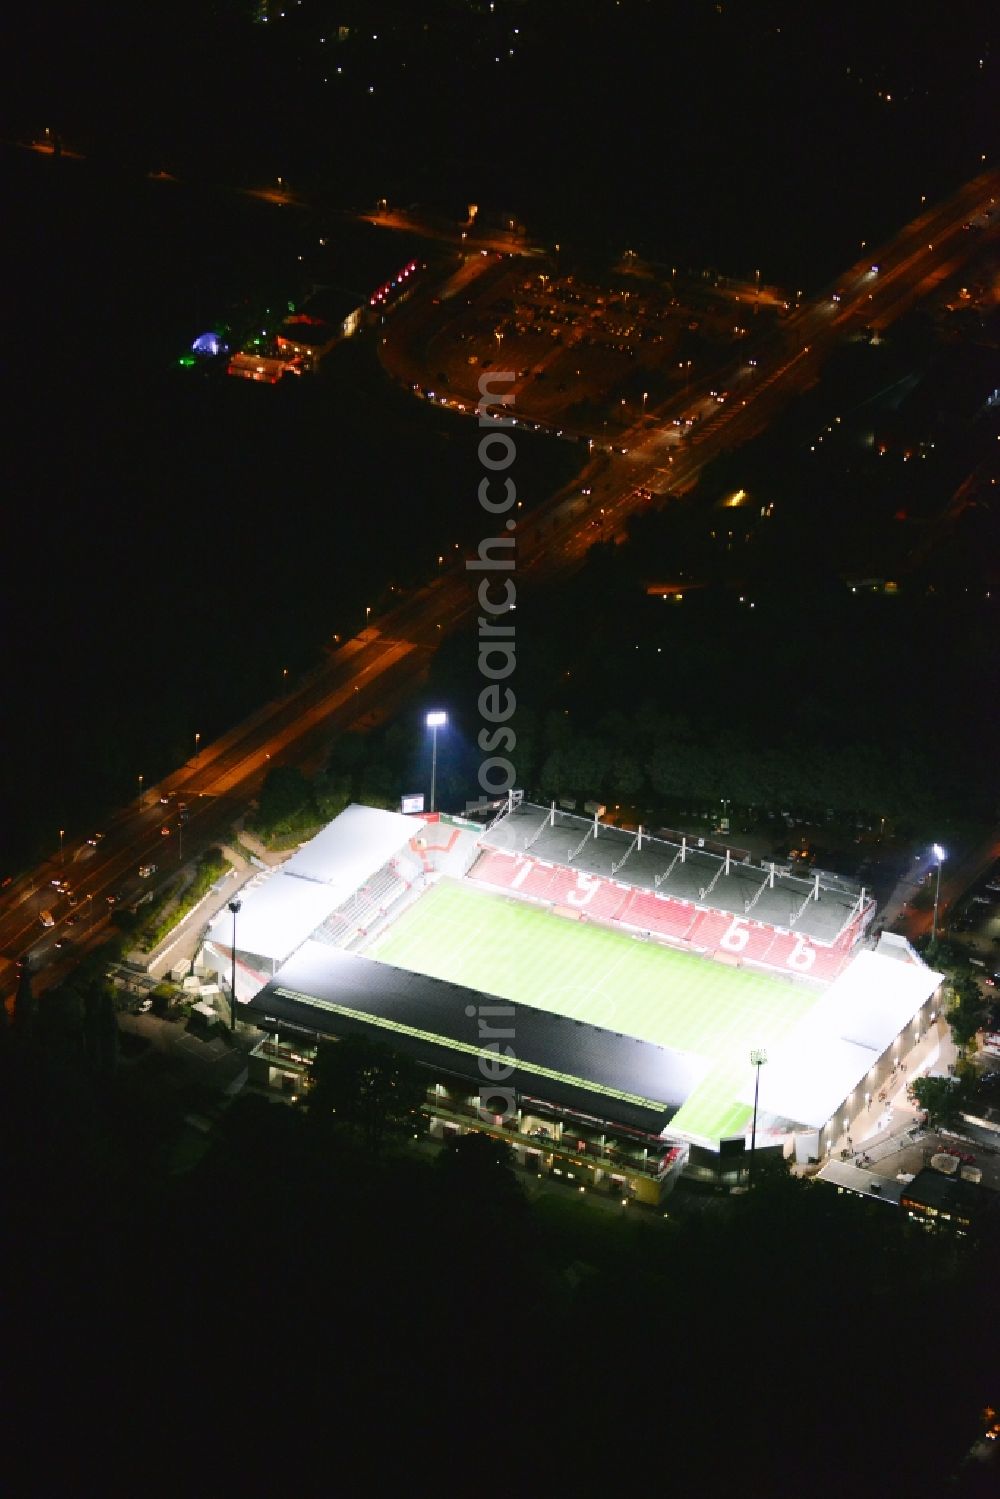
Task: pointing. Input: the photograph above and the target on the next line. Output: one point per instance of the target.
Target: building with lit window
(947, 1202)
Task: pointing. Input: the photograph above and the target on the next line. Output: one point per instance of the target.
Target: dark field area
(173, 541)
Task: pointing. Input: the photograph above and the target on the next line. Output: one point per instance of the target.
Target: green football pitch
(503, 946)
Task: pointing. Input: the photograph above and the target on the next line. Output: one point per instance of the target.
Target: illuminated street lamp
(939, 855)
(757, 1059)
(434, 722)
(62, 834)
(197, 741)
(140, 793)
(234, 906)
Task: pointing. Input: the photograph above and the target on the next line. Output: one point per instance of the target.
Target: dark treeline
(664, 705)
(823, 645)
(299, 1297)
(670, 708)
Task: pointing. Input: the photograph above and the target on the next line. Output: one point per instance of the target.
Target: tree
(626, 778)
(331, 793)
(552, 774)
(25, 1007)
(968, 1011)
(940, 953)
(379, 787)
(284, 794)
(364, 1083)
(100, 1026)
(588, 764)
(348, 754)
(480, 1195)
(939, 1097)
(477, 1171)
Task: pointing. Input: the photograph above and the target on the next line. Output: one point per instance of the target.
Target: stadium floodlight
(435, 721)
(940, 856)
(757, 1059)
(235, 906)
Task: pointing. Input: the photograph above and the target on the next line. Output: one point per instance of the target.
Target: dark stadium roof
(567, 839)
(325, 990)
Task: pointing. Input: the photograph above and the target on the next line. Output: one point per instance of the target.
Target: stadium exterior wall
(546, 1137)
(547, 1133)
(862, 1104)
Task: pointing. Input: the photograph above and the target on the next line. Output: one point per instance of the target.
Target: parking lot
(596, 357)
(976, 922)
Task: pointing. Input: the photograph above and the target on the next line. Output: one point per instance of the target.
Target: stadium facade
(634, 975)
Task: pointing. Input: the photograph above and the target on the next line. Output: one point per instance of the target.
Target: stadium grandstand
(637, 973)
(337, 888)
(682, 892)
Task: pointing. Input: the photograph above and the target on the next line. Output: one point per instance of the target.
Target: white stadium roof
(287, 906)
(352, 847)
(842, 1037)
(876, 996)
(277, 916)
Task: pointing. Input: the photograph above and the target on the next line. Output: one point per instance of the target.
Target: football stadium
(594, 994)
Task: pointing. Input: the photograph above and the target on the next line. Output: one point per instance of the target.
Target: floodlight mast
(234, 906)
(757, 1059)
(434, 722)
(940, 856)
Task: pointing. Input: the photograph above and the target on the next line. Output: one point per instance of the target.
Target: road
(357, 683)
(789, 360)
(215, 785)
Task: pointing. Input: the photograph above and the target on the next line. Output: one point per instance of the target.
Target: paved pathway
(879, 1127)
